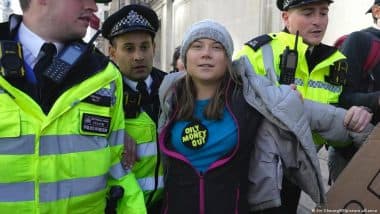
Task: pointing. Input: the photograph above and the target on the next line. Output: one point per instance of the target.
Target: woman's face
(206, 61)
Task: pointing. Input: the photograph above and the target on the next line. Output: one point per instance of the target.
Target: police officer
(297, 56)
(131, 32)
(62, 124)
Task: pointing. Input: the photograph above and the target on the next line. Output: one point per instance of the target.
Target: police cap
(370, 9)
(103, 1)
(132, 17)
(284, 5)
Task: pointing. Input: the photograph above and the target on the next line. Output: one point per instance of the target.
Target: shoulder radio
(288, 64)
(64, 62)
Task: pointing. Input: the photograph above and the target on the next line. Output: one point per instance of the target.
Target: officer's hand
(357, 118)
(294, 87)
(130, 152)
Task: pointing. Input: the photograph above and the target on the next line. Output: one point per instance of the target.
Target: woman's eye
(217, 47)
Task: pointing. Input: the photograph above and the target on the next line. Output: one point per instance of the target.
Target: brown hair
(185, 97)
(24, 4)
(176, 55)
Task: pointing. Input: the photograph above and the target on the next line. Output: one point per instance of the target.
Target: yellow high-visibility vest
(144, 131)
(311, 84)
(64, 162)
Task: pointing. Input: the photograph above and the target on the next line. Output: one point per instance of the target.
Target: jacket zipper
(166, 203)
(237, 200)
(201, 194)
(201, 174)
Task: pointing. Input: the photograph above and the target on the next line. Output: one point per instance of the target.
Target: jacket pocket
(141, 129)
(10, 125)
(182, 190)
(265, 171)
(265, 178)
(279, 172)
(224, 200)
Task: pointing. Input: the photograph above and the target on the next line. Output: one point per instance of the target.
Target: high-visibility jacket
(312, 84)
(140, 123)
(64, 162)
(144, 131)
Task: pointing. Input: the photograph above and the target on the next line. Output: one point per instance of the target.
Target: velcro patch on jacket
(132, 104)
(102, 97)
(259, 41)
(95, 123)
(338, 73)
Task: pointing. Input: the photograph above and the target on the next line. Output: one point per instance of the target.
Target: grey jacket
(284, 142)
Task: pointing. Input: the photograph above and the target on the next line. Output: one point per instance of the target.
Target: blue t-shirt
(187, 137)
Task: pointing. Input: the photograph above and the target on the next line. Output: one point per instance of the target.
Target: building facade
(245, 19)
(5, 10)
(177, 15)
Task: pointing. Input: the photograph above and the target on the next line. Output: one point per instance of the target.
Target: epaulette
(259, 41)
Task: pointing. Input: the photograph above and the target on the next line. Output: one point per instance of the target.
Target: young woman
(210, 119)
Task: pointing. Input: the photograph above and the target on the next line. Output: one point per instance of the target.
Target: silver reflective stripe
(13, 192)
(113, 89)
(147, 184)
(104, 92)
(71, 188)
(64, 144)
(17, 146)
(146, 149)
(116, 137)
(298, 81)
(324, 85)
(117, 171)
(2, 91)
(269, 63)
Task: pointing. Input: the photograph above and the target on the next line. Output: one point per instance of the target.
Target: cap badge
(133, 19)
(286, 3)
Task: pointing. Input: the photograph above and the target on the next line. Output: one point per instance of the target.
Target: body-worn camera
(11, 63)
(338, 73)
